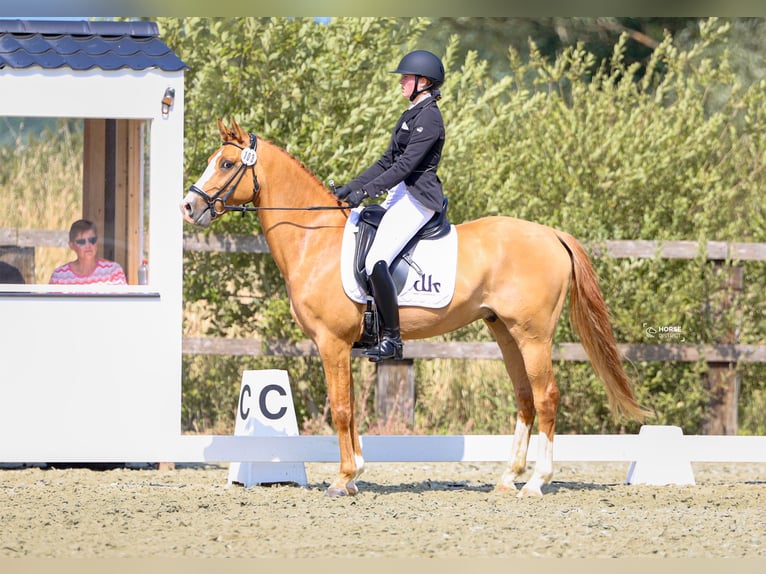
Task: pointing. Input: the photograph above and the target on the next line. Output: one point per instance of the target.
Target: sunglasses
(91, 240)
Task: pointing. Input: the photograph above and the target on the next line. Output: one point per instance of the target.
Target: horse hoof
(335, 492)
(529, 493)
(505, 488)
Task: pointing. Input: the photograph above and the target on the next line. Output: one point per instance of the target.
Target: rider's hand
(342, 192)
(356, 197)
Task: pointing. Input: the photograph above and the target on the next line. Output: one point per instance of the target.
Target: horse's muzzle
(194, 212)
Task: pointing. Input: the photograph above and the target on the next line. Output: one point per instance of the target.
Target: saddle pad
(437, 258)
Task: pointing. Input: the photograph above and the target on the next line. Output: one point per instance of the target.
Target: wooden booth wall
(112, 187)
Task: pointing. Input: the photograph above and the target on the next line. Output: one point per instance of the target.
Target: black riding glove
(342, 192)
(356, 197)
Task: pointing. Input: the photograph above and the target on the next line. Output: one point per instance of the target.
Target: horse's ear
(226, 133)
(241, 135)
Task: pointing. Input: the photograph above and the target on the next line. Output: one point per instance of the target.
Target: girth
(369, 220)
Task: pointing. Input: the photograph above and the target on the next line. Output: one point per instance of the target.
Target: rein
(246, 208)
(248, 158)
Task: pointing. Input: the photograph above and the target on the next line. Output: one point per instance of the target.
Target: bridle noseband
(248, 157)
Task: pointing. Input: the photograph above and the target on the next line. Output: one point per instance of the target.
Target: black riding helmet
(422, 63)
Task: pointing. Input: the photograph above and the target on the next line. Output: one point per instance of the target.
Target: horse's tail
(590, 318)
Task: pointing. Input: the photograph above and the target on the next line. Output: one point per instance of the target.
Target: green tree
(491, 37)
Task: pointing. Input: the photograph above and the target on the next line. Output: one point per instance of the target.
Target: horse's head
(228, 181)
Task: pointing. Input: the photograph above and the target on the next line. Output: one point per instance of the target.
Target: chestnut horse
(512, 274)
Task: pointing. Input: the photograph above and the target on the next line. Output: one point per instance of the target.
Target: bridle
(248, 158)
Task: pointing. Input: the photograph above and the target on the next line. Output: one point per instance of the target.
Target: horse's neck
(297, 237)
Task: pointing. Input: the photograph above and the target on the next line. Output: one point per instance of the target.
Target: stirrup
(388, 348)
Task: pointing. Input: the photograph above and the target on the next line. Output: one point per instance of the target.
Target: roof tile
(84, 45)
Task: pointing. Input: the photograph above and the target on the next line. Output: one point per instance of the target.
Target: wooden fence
(394, 376)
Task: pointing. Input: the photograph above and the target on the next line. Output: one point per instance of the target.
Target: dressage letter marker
(661, 458)
(266, 409)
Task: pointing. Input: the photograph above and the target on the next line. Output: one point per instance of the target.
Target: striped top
(106, 272)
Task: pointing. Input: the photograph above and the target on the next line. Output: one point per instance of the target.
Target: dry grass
(452, 396)
(465, 396)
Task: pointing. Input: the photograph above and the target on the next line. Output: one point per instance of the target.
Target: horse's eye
(226, 164)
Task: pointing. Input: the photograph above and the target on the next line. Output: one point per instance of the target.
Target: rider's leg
(403, 218)
(384, 292)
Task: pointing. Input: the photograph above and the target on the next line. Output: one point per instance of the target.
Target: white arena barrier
(657, 454)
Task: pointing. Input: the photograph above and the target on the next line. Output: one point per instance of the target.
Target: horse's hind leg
(514, 365)
(545, 392)
(531, 371)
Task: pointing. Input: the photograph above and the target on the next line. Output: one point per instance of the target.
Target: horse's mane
(295, 160)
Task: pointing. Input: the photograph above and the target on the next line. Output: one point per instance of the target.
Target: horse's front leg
(336, 360)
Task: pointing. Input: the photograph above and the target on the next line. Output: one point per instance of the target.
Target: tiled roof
(84, 45)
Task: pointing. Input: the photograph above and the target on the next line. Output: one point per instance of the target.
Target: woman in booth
(88, 268)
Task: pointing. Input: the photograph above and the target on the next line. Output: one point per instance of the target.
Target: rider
(406, 172)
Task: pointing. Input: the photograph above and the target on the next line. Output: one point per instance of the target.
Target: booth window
(54, 171)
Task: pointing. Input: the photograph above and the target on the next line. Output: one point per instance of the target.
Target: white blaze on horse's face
(194, 210)
(209, 170)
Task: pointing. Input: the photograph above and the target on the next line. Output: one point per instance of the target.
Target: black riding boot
(384, 292)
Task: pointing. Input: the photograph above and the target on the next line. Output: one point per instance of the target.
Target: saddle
(369, 220)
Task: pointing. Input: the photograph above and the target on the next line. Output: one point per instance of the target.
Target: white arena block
(265, 409)
(660, 457)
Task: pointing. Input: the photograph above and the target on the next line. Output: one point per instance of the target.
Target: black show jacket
(412, 157)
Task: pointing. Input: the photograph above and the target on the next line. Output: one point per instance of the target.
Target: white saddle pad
(437, 258)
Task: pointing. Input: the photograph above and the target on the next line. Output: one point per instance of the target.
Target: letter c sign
(243, 414)
(246, 393)
(264, 407)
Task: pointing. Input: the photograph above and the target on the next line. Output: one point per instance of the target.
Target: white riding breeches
(403, 218)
